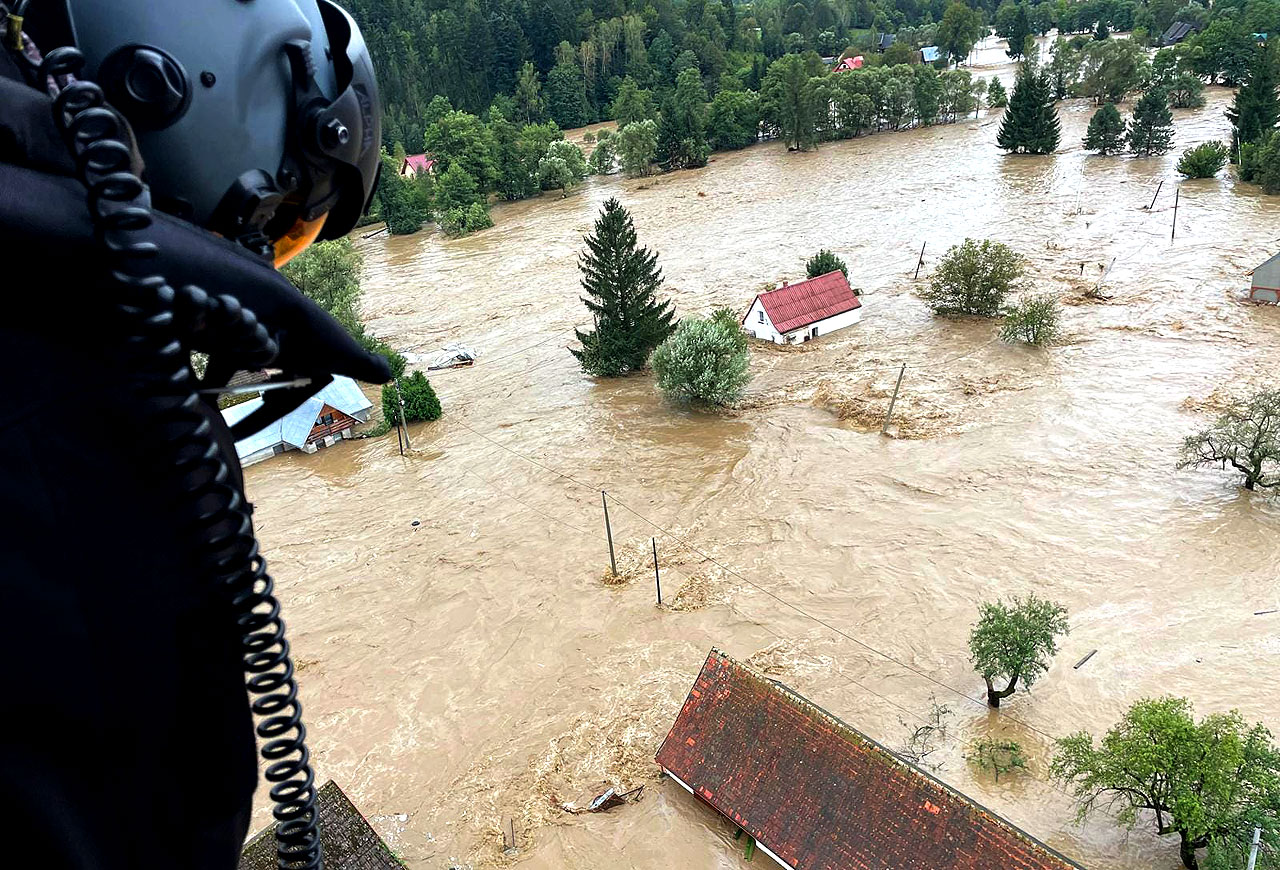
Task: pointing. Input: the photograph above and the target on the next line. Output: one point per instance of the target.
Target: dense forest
(474, 52)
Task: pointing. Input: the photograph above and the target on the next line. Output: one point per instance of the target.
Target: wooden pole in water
(920, 261)
(608, 531)
(657, 581)
(403, 422)
(1174, 231)
(888, 418)
(1153, 199)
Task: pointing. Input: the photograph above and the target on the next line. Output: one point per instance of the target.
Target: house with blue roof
(325, 418)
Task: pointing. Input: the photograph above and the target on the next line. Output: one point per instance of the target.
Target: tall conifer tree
(1030, 124)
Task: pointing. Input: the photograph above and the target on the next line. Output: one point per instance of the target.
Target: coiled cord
(160, 323)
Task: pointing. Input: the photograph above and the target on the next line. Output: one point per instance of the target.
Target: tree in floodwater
(824, 262)
(974, 278)
(1210, 782)
(1106, 131)
(1246, 436)
(789, 101)
(1151, 127)
(1203, 161)
(704, 360)
(636, 144)
(1030, 125)
(419, 397)
(1034, 320)
(622, 282)
(997, 97)
(1014, 642)
(1256, 108)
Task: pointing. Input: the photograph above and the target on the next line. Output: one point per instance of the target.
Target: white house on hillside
(795, 313)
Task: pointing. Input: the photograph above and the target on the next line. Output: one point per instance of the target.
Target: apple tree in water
(1015, 642)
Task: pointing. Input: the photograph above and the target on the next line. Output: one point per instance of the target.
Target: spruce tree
(1256, 108)
(1106, 131)
(997, 97)
(621, 281)
(1151, 127)
(1030, 125)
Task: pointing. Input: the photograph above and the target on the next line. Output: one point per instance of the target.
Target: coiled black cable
(160, 323)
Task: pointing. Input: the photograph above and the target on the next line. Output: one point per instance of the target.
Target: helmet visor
(297, 239)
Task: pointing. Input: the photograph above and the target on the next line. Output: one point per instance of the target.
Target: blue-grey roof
(293, 429)
(930, 53)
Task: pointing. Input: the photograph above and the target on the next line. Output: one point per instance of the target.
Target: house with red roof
(795, 313)
(848, 63)
(415, 164)
(816, 794)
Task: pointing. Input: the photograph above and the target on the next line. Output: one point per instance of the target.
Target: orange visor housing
(297, 239)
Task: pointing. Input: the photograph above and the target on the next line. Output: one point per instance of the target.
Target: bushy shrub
(420, 401)
(974, 278)
(704, 360)
(1203, 161)
(823, 262)
(460, 221)
(1033, 320)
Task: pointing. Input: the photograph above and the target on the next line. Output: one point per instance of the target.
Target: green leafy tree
(1063, 68)
(562, 167)
(1224, 51)
(1260, 163)
(1185, 91)
(1256, 108)
(1030, 125)
(328, 273)
(704, 360)
(734, 120)
(604, 158)
(455, 188)
(1102, 31)
(1151, 127)
(461, 220)
(621, 281)
(1113, 68)
(632, 103)
(959, 29)
(1035, 320)
(637, 144)
(1015, 642)
(1106, 131)
(997, 97)
(528, 94)
(1000, 757)
(974, 278)
(1246, 436)
(1203, 161)
(1019, 30)
(566, 96)
(397, 204)
(789, 102)
(682, 139)
(823, 263)
(515, 180)
(420, 400)
(1206, 781)
(461, 139)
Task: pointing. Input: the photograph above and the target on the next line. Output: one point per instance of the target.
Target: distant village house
(884, 40)
(322, 420)
(796, 313)
(849, 63)
(1266, 281)
(814, 793)
(415, 164)
(1178, 31)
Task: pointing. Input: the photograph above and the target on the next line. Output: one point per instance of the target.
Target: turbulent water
(475, 666)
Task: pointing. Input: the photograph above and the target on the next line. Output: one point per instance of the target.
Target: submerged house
(325, 418)
(1266, 281)
(348, 840)
(795, 313)
(815, 793)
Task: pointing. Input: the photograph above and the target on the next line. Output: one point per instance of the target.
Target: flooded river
(475, 666)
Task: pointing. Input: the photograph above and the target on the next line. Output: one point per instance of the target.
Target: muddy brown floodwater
(475, 667)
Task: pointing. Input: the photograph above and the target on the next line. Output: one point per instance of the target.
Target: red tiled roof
(823, 796)
(417, 162)
(798, 305)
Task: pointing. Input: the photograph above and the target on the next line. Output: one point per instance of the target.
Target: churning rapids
(475, 667)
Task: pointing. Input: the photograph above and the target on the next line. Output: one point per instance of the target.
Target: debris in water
(605, 800)
(1265, 612)
(509, 838)
(415, 523)
(1085, 659)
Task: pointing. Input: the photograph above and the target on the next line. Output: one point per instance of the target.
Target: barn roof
(348, 840)
(1177, 32)
(294, 427)
(798, 305)
(823, 796)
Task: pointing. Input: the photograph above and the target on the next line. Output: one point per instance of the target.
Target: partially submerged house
(1266, 281)
(817, 794)
(795, 313)
(348, 840)
(415, 164)
(1178, 31)
(321, 420)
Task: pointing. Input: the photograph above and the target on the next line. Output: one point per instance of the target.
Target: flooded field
(475, 667)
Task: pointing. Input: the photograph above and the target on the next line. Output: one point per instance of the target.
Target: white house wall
(755, 327)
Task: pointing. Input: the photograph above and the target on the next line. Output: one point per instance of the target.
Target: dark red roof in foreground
(823, 796)
(798, 305)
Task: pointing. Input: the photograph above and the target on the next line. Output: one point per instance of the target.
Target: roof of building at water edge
(795, 306)
(293, 428)
(817, 794)
(348, 840)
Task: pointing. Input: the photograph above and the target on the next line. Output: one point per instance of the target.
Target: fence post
(920, 261)
(1174, 230)
(403, 422)
(657, 581)
(888, 418)
(1153, 199)
(608, 531)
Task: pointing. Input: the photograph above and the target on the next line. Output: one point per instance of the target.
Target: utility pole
(1253, 852)
(1174, 231)
(920, 261)
(403, 423)
(613, 563)
(1153, 199)
(888, 418)
(657, 581)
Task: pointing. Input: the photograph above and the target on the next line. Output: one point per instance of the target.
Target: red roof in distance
(798, 305)
(821, 795)
(417, 162)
